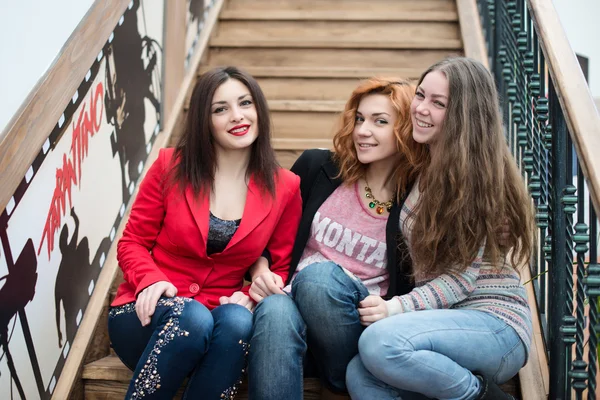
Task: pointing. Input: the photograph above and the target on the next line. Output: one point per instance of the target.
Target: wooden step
(307, 125)
(318, 72)
(333, 43)
(338, 15)
(343, 7)
(328, 106)
(339, 30)
(308, 88)
(338, 34)
(322, 59)
(108, 378)
(299, 144)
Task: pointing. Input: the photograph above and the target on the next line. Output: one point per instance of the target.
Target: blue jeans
(433, 354)
(183, 338)
(321, 312)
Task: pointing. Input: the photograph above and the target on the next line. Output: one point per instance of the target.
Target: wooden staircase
(308, 56)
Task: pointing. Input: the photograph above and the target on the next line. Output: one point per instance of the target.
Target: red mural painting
(87, 125)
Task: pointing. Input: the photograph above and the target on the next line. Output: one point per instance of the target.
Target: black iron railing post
(557, 270)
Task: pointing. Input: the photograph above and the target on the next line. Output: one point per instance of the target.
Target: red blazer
(165, 237)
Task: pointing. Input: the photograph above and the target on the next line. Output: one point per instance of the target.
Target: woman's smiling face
(234, 118)
(428, 108)
(373, 135)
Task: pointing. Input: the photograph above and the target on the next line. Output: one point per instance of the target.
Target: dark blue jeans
(322, 312)
(183, 339)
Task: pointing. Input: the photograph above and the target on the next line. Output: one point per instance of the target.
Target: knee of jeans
(317, 279)
(378, 345)
(278, 313)
(235, 320)
(320, 272)
(196, 319)
(354, 372)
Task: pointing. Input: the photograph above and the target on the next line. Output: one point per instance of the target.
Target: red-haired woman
(345, 249)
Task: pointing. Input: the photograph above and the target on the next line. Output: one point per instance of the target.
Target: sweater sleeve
(440, 293)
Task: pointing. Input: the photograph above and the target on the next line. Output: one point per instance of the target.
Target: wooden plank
(175, 53)
(307, 105)
(95, 307)
(346, 31)
(292, 125)
(24, 135)
(338, 15)
(301, 143)
(471, 31)
(308, 89)
(534, 376)
(366, 58)
(339, 43)
(573, 92)
(389, 6)
(108, 379)
(329, 72)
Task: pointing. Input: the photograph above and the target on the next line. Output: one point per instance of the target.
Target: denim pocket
(511, 363)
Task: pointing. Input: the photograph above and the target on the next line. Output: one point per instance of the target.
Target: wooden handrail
(26, 132)
(96, 303)
(573, 92)
(471, 31)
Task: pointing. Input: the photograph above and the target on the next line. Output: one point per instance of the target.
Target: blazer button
(194, 288)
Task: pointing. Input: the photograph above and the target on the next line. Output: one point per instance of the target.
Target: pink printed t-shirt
(347, 233)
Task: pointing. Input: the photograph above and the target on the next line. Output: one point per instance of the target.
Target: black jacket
(317, 173)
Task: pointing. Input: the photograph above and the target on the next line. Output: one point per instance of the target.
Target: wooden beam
(573, 92)
(26, 132)
(472, 31)
(174, 54)
(94, 309)
(534, 376)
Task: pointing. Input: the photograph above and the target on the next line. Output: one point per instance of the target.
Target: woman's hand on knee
(372, 309)
(238, 298)
(266, 284)
(145, 304)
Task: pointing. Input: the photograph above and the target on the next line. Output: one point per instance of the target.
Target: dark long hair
(195, 151)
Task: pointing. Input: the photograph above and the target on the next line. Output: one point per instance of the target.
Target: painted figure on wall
(59, 225)
(132, 77)
(74, 275)
(17, 291)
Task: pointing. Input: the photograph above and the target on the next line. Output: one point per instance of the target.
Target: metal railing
(541, 134)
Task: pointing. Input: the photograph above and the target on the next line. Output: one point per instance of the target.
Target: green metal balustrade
(565, 268)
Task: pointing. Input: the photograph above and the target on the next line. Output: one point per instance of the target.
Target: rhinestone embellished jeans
(183, 339)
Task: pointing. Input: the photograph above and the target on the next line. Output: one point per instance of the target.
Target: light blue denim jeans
(433, 354)
(321, 312)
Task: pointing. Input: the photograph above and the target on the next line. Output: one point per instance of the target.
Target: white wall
(581, 22)
(32, 32)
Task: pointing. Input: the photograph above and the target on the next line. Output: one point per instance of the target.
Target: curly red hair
(412, 156)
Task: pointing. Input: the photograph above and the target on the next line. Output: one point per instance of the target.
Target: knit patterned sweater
(481, 286)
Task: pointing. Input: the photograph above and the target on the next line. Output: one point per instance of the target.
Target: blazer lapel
(258, 206)
(199, 207)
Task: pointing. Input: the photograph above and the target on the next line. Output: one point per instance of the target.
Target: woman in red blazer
(204, 213)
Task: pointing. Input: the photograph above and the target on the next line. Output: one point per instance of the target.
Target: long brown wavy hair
(472, 185)
(412, 156)
(195, 151)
